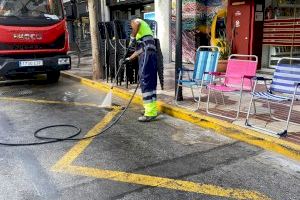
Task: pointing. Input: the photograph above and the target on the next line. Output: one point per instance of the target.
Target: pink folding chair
(238, 78)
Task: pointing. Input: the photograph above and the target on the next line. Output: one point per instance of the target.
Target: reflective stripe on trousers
(148, 79)
(149, 99)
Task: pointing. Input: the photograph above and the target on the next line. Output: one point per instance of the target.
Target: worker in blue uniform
(142, 37)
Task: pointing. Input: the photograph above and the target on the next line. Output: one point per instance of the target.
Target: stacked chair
(111, 51)
(122, 35)
(114, 40)
(103, 48)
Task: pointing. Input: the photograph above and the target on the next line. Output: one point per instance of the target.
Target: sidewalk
(167, 96)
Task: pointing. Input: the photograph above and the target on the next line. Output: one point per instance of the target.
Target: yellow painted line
(168, 183)
(65, 165)
(233, 131)
(104, 87)
(76, 150)
(249, 136)
(50, 102)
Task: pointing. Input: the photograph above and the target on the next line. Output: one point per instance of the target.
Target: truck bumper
(13, 66)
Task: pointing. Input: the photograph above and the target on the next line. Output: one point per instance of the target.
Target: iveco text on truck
(33, 38)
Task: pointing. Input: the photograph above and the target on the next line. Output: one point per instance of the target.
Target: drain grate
(18, 92)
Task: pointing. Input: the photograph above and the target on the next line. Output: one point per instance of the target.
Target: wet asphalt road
(167, 148)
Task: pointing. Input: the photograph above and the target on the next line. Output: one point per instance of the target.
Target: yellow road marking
(249, 136)
(68, 158)
(286, 148)
(65, 165)
(105, 88)
(168, 183)
(50, 102)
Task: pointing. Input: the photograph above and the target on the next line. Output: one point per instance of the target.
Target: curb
(225, 128)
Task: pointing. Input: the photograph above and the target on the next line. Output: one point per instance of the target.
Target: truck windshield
(47, 9)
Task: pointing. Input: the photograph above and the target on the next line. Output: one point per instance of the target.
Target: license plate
(31, 63)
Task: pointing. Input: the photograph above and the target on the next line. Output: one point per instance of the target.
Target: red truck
(33, 38)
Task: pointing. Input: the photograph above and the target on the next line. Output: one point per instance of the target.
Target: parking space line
(76, 150)
(168, 183)
(64, 165)
(50, 102)
(249, 136)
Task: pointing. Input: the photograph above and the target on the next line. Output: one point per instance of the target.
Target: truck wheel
(53, 77)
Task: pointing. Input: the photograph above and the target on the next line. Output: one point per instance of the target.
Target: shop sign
(237, 23)
(149, 15)
(259, 16)
(238, 13)
(259, 7)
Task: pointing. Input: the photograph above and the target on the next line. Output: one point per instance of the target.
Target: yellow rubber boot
(150, 112)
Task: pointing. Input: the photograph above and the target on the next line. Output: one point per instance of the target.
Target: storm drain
(18, 92)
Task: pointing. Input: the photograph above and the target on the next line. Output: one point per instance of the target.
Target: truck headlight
(63, 61)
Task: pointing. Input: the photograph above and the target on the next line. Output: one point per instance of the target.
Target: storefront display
(124, 9)
(281, 37)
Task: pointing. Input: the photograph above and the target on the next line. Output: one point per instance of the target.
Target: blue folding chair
(283, 90)
(206, 61)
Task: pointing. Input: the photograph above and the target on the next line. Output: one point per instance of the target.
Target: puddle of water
(72, 96)
(195, 137)
(189, 134)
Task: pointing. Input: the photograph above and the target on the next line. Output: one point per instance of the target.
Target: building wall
(163, 19)
(197, 18)
(105, 15)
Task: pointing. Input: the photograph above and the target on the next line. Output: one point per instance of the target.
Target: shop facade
(158, 10)
(124, 9)
(197, 21)
(266, 28)
(79, 28)
(281, 35)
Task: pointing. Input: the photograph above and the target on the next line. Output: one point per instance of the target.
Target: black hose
(49, 140)
(103, 131)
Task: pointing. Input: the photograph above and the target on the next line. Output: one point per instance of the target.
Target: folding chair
(283, 91)
(206, 60)
(240, 69)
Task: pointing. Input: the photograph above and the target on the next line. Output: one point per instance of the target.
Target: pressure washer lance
(48, 140)
(107, 102)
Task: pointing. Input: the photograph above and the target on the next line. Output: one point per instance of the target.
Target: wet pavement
(167, 96)
(166, 159)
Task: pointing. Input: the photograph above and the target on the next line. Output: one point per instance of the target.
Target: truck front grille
(58, 44)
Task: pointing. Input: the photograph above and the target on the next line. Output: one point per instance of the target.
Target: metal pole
(178, 60)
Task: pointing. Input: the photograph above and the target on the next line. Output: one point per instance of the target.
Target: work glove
(132, 42)
(124, 62)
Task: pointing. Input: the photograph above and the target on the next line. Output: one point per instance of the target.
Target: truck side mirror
(71, 12)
